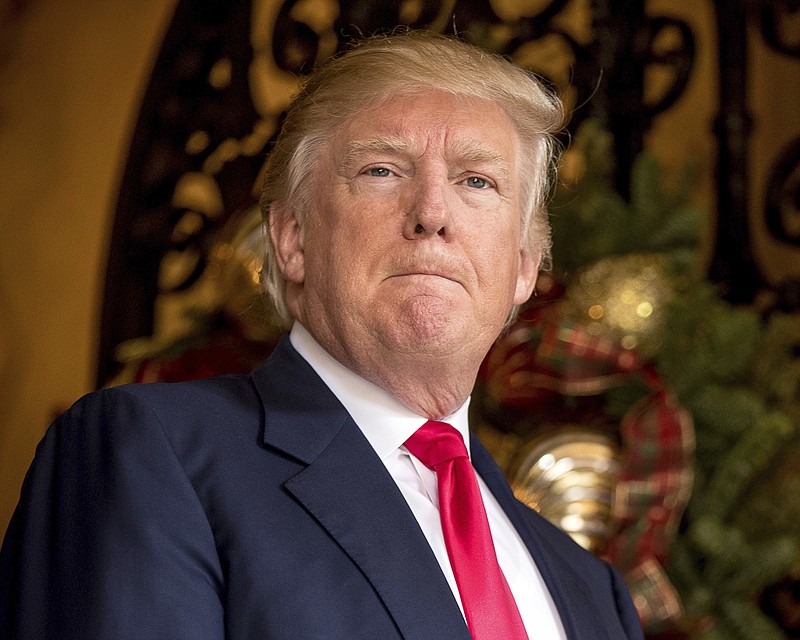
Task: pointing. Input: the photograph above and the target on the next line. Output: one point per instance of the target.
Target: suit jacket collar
(348, 490)
(301, 415)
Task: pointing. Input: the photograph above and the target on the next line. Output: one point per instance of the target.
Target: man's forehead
(462, 129)
(454, 148)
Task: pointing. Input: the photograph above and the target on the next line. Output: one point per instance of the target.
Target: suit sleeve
(109, 539)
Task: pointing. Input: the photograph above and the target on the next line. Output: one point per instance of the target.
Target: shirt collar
(386, 422)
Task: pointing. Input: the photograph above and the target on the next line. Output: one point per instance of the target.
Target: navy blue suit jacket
(247, 507)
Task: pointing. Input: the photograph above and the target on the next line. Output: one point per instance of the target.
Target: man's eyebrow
(463, 152)
(380, 144)
(473, 152)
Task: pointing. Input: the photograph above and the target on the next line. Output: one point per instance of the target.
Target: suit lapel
(569, 590)
(348, 490)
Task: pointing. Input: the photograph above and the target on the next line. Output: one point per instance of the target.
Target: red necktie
(489, 607)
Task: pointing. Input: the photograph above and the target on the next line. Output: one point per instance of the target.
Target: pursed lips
(427, 273)
(427, 265)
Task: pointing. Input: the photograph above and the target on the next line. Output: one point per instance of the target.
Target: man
(405, 207)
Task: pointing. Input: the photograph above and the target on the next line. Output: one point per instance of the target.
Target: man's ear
(527, 275)
(287, 239)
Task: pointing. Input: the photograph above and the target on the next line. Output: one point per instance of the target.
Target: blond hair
(378, 68)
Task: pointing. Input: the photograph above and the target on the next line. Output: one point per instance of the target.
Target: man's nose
(428, 213)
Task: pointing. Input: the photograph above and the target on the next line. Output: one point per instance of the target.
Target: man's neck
(429, 391)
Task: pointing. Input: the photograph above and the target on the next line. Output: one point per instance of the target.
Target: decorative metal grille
(227, 69)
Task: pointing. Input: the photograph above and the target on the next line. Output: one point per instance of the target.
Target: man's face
(412, 245)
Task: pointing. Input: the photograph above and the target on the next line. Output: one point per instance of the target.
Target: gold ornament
(235, 270)
(624, 299)
(569, 477)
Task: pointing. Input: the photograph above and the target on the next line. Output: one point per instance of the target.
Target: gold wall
(71, 76)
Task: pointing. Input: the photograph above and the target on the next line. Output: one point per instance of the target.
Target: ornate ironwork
(782, 193)
(782, 207)
(197, 99)
(227, 68)
(775, 14)
(733, 264)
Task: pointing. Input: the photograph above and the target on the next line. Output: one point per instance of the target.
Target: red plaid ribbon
(542, 355)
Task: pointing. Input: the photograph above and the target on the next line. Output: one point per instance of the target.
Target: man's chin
(429, 324)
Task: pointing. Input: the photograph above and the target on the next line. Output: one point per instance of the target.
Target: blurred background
(132, 135)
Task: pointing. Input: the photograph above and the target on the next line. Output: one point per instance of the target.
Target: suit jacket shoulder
(238, 507)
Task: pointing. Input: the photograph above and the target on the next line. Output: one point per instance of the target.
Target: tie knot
(436, 442)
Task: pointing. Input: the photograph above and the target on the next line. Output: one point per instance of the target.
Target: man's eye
(476, 182)
(379, 172)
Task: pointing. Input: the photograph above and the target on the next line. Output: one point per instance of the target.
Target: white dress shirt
(387, 424)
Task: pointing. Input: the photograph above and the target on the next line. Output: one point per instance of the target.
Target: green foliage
(737, 373)
(732, 566)
(764, 564)
(777, 370)
(737, 468)
(772, 503)
(725, 410)
(592, 221)
(706, 341)
(747, 622)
